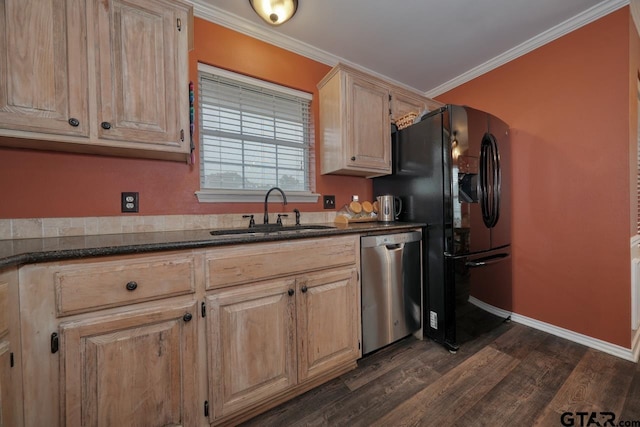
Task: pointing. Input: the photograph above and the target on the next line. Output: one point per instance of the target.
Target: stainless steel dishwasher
(391, 288)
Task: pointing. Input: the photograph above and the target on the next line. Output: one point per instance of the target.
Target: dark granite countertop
(30, 251)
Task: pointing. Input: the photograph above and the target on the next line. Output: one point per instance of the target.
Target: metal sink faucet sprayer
(266, 197)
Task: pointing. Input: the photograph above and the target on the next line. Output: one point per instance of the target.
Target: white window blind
(254, 135)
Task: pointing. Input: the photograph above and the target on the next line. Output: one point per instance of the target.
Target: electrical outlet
(329, 202)
(433, 319)
(129, 202)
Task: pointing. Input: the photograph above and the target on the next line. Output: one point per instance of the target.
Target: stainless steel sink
(271, 228)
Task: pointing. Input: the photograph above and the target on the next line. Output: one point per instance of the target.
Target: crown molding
(572, 24)
(635, 13)
(204, 10)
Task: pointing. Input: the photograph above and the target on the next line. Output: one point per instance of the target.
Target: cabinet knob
(291, 292)
(132, 286)
(74, 122)
(353, 158)
(105, 125)
(304, 289)
(187, 317)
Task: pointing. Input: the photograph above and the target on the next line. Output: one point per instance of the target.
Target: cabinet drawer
(248, 263)
(85, 287)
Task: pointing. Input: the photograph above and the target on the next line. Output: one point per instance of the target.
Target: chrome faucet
(266, 197)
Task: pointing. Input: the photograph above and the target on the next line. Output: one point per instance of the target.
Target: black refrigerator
(451, 170)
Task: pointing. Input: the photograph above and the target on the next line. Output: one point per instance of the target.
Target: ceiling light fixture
(275, 12)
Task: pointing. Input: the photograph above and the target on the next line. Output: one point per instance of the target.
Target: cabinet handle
(132, 286)
(304, 289)
(105, 125)
(187, 317)
(55, 343)
(291, 292)
(353, 158)
(74, 122)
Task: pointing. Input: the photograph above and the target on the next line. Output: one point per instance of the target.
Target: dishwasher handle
(395, 247)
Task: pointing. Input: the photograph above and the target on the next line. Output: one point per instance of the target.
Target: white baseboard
(606, 347)
(635, 346)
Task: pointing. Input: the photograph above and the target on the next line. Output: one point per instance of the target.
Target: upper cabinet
(141, 72)
(43, 68)
(356, 112)
(108, 77)
(404, 102)
(355, 136)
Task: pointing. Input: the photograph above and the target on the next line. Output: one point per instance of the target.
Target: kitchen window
(254, 135)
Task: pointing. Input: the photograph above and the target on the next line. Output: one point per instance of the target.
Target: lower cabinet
(267, 338)
(10, 369)
(131, 368)
(185, 338)
(111, 341)
(327, 321)
(251, 333)
(5, 383)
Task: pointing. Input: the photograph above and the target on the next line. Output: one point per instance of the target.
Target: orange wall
(634, 76)
(567, 104)
(46, 184)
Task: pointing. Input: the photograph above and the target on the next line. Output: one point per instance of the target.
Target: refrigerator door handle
(485, 148)
(497, 178)
(490, 177)
(493, 259)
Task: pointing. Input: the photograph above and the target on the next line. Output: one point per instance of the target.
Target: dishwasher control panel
(390, 239)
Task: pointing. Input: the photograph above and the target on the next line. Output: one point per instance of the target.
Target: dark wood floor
(513, 375)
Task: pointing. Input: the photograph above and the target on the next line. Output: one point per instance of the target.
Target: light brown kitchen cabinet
(252, 346)
(404, 102)
(355, 135)
(141, 73)
(112, 339)
(327, 322)
(356, 112)
(193, 337)
(289, 322)
(105, 77)
(132, 368)
(43, 68)
(10, 360)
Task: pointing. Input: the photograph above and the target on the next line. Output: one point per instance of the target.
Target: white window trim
(231, 196)
(243, 196)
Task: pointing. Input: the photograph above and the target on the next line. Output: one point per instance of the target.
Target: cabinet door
(403, 103)
(5, 380)
(251, 342)
(369, 136)
(141, 72)
(135, 369)
(327, 321)
(10, 366)
(43, 66)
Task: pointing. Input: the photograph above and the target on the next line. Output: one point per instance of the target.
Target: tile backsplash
(27, 228)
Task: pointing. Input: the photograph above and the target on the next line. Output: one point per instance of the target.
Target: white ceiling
(427, 45)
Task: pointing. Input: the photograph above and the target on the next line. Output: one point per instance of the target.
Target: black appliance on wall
(452, 172)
